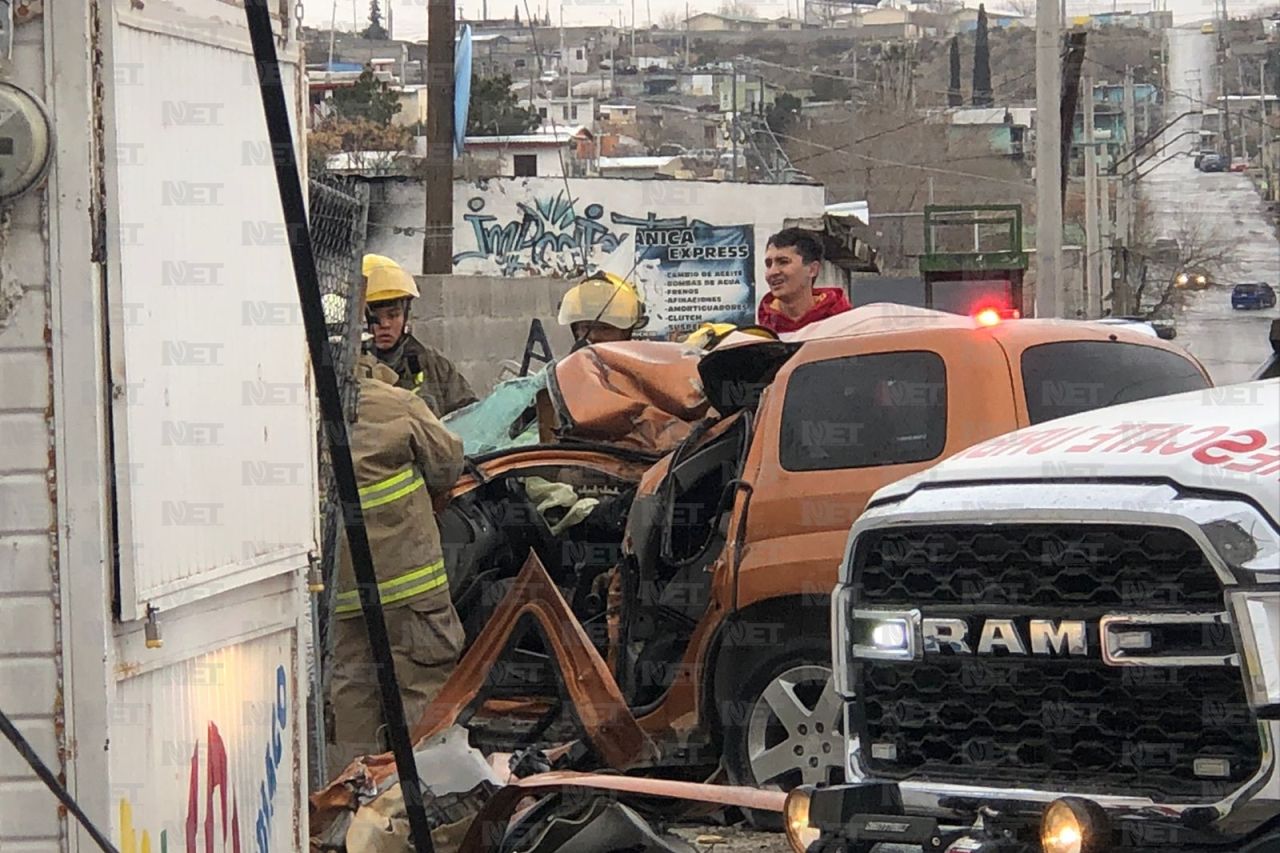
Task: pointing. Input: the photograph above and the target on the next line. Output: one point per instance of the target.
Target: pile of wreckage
(618, 605)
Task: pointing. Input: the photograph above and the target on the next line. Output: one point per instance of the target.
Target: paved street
(1230, 343)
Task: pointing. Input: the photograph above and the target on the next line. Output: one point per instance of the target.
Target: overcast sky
(411, 15)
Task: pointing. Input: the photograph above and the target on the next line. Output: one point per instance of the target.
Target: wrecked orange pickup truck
(686, 514)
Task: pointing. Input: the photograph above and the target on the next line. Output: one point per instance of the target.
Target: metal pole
(1091, 233)
(1045, 300)
(437, 240)
(293, 205)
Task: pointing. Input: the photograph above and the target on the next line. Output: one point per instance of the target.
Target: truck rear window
(865, 410)
(1069, 377)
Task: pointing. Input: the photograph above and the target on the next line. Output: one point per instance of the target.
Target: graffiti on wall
(212, 822)
(547, 237)
(553, 235)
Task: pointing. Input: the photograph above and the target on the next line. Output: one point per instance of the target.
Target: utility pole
(1266, 132)
(1125, 199)
(333, 32)
(1106, 240)
(1046, 299)
(686, 34)
(1091, 234)
(733, 123)
(437, 240)
(568, 72)
(1223, 86)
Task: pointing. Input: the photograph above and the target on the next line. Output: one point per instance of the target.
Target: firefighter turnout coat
(403, 457)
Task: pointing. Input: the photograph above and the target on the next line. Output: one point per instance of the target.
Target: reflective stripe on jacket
(403, 456)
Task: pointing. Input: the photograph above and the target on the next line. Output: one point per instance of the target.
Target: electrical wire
(1177, 93)
(862, 83)
(1021, 185)
(918, 120)
(24, 749)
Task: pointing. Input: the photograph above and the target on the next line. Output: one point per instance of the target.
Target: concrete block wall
(480, 321)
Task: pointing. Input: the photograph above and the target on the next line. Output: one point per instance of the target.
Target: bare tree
(1194, 245)
(671, 20)
(737, 9)
(1025, 8)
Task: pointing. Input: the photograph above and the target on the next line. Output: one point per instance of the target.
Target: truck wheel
(785, 727)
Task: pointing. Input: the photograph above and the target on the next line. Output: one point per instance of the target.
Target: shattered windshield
(502, 419)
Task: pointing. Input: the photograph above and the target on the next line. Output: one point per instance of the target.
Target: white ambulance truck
(157, 432)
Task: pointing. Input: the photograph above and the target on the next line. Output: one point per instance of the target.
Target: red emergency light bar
(990, 315)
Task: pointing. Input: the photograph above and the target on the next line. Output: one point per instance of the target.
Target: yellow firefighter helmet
(709, 335)
(387, 280)
(604, 298)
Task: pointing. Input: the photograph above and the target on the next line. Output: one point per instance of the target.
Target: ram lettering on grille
(1044, 637)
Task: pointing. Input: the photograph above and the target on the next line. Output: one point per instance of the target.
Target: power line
(1177, 93)
(865, 84)
(827, 149)
(918, 120)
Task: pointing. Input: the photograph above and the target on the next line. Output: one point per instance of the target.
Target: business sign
(695, 273)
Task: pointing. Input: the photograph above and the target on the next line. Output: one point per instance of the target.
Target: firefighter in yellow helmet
(404, 458)
(389, 293)
(602, 308)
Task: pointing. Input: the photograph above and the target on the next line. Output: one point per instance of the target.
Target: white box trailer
(157, 436)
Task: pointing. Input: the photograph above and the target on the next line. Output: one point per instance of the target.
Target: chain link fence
(338, 213)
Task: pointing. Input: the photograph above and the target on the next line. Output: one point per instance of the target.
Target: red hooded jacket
(828, 302)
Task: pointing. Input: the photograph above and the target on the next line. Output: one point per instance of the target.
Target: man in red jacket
(791, 263)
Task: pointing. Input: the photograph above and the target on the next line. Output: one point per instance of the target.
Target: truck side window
(865, 410)
(1069, 377)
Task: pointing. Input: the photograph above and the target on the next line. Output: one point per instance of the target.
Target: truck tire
(785, 726)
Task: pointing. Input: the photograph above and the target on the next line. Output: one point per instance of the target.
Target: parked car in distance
(1200, 155)
(1253, 294)
(1165, 250)
(1213, 163)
